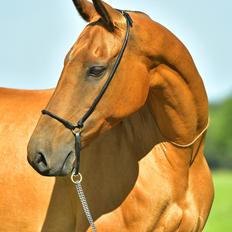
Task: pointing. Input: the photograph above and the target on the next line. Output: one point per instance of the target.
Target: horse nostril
(40, 159)
(40, 163)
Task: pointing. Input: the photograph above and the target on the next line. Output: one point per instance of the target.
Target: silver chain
(84, 201)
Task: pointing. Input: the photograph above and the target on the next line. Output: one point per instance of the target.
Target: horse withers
(142, 146)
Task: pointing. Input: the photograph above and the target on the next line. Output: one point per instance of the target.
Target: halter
(76, 177)
(76, 129)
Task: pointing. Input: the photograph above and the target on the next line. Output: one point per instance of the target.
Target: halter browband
(76, 129)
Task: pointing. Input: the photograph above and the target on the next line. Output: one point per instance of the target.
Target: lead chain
(85, 205)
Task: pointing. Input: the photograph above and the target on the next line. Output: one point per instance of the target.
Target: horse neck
(130, 140)
(177, 93)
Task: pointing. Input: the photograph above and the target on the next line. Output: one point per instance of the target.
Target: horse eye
(96, 71)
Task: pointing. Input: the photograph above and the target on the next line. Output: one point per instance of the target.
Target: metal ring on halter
(76, 130)
(76, 179)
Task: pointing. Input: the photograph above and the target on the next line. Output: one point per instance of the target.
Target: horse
(25, 195)
(142, 157)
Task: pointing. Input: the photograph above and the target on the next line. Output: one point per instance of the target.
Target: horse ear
(107, 13)
(85, 9)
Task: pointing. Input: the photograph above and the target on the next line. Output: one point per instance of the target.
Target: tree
(219, 137)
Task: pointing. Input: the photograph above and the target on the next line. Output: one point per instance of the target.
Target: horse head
(156, 70)
(86, 68)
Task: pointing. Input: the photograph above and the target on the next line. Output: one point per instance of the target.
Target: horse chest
(145, 205)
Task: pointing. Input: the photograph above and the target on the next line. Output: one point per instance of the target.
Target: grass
(220, 219)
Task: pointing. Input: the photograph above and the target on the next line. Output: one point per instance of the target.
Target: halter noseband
(76, 129)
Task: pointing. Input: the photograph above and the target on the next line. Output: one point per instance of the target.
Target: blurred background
(36, 35)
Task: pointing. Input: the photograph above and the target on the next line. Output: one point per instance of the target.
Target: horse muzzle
(41, 162)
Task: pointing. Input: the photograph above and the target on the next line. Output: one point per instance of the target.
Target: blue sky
(36, 35)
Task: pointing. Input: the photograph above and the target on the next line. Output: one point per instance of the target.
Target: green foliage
(221, 214)
(219, 137)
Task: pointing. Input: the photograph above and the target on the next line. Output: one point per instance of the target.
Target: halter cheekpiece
(77, 129)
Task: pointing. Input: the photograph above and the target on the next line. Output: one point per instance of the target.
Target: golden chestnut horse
(142, 156)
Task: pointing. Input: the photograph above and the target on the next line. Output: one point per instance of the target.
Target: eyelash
(96, 71)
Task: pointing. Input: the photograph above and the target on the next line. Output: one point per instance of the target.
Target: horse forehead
(94, 42)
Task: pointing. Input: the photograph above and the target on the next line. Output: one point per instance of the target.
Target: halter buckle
(77, 130)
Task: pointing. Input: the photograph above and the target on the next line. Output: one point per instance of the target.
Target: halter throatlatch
(76, 129)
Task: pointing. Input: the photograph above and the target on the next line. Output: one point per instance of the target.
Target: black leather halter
(76, 129)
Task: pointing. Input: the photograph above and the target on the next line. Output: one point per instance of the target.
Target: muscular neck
(177, 94)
